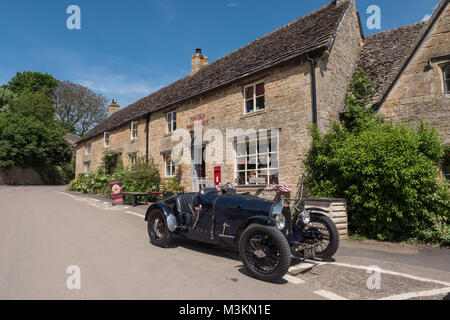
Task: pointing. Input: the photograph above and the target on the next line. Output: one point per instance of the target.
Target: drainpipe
(313, 87)
(147, 124)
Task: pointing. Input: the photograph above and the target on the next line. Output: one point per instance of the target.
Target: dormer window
(446, 72)
(255, 97)
(134, 131)
(106, 140)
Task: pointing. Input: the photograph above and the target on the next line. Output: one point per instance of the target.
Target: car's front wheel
(157, 229)
(265, 252)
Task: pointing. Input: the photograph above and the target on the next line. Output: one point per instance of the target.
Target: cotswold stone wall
(419, 92)
(335, 73)
(20, 176)
(120, 143)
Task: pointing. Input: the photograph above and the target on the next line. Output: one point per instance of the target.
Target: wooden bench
(134, 197)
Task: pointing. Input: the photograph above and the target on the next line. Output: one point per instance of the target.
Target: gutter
(313, 87)
(147, 124)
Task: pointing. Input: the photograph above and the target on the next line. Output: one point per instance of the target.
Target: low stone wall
(337, 209)
(20, 176)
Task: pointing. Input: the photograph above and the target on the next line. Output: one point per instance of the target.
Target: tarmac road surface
(49, 236)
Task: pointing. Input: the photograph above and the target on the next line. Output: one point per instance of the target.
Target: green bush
(387, 172)
(140, 178)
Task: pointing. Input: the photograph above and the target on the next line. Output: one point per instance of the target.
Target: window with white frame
(257, 161)
(170, 166)
(106, 140)
(171, 121)
(87, 149)
(446, 72)
(133, 158)
(87, 167)
(255, 98)
(134, 130)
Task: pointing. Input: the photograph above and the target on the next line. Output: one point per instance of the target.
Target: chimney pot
(198, 61)
(113, 107)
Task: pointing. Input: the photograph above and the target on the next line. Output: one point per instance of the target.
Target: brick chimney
(113, 107)
(198, 61)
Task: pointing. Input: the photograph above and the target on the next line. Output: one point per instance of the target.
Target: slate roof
(72, 139)
(384, 53)
(315, 31)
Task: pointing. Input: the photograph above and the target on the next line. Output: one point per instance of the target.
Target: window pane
(174, 117)
(260, 89)
(174, 126)
(241, 178)
(249, 105)
(251, 163)
(260, 103)
(262, 161)
(447, 86)
(273, 160)
(169, 117)
(249, 93)
(273, 177)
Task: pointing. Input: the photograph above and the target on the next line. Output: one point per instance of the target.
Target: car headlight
(281, 221)
(277, 215)
(306, 217)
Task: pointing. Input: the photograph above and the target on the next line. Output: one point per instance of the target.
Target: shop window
(257, 162)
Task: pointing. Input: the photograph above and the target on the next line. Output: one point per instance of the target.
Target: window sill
(253, 114)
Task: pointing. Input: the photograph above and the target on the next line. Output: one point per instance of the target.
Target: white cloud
(232, 4)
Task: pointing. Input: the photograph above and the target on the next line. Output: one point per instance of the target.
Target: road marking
(393, 273)
(66, 194)
(301, 266)
(411, 295)
(136, 214)
(293, 280)
(329, 295)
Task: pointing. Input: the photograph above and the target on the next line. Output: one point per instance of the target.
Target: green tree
(33, 82)
(36, 105)
(6, 98)
(386, 171)
(27, 142)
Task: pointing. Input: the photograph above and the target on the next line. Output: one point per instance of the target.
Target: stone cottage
(272, 89)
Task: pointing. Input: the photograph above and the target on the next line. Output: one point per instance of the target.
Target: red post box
(217, 175)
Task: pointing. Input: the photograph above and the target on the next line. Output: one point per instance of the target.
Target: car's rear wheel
(265, 252)
(157, 229)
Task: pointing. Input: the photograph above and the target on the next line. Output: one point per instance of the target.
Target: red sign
(116, 193)
(217, 175)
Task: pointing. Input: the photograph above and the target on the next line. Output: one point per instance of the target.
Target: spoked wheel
(157, 229)
(265, 252)
(330, 242)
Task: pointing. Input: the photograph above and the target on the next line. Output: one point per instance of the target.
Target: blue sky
(128, 49)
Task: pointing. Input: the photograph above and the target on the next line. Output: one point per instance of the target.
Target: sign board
(257, 181)
(116, 193)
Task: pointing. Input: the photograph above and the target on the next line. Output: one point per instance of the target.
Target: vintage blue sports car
(263, 231)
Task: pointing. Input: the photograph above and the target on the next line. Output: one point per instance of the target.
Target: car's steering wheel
(228, 189)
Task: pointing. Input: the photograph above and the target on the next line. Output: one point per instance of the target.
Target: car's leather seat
(185, 202)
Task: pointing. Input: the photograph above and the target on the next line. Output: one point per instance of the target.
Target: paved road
(44, 230)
